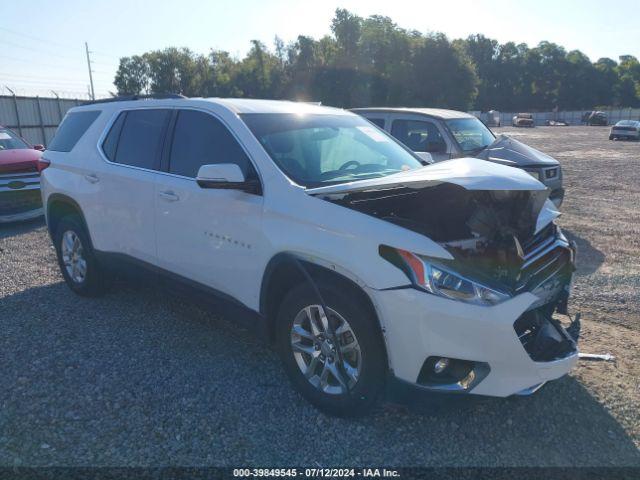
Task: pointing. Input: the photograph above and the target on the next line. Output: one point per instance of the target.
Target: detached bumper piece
(544, 338)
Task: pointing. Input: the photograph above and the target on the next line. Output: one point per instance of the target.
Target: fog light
(441, 365)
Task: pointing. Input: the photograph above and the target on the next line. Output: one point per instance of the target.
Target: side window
(419, 135)
(200, 139)
(110, 144)
(140, 138)
(71, 129)
(379, 122)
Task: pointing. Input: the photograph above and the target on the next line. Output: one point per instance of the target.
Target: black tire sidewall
(93, 282)
(365, 327)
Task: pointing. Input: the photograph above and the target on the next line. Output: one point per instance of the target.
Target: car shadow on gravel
(589, 258)
(18, 228)
(139, 377)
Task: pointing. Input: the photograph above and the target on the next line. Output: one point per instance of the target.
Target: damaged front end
(500, 235)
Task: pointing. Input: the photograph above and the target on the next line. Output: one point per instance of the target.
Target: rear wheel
(76, 259)
(335, 357)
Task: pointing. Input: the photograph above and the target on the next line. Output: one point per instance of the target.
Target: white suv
(325, 235)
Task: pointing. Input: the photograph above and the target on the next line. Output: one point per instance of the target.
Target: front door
(421, 136)
(211, 236)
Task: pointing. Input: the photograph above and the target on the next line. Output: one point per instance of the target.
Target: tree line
(373, 62)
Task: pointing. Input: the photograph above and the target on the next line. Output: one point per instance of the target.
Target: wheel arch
(282, 273)
(60, 206)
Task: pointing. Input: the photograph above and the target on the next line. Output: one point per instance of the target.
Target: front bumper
(20, 196)
(419, 326)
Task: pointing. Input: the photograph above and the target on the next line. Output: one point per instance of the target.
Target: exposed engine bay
(491, 234)
(495, 237)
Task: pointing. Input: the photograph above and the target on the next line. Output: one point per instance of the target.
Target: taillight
(42, 164)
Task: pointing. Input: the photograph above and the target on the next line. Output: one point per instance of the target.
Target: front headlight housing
(443, 282)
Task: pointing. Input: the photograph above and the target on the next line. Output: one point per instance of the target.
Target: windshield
(626, 123)
(10, 141)
(470, 133)
(316, 150)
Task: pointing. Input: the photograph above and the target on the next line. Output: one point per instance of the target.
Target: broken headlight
(441, 281)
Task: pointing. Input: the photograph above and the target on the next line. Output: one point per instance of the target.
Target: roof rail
(126, 98)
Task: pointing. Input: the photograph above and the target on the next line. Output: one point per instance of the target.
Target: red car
(19, 178)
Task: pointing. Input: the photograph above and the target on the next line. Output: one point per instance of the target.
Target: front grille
(19, 201)
(27, 176)
(541, 239)
(547, 266)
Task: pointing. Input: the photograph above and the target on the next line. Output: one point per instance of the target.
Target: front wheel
(335, 357)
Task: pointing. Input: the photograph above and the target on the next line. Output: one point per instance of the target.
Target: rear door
(212, 236)
(124, 216)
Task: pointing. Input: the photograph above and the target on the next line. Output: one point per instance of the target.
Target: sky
(42, 42)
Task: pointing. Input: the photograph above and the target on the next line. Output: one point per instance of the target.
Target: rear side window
(136, 138)
(71, 129)
(200, 139)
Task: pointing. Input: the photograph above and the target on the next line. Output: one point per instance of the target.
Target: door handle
(91, 178)
(169, 196)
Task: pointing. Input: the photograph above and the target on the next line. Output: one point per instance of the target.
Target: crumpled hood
(509, 151)
(469, 173)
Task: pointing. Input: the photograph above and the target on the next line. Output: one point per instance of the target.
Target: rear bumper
(419, 326)
(625, 134)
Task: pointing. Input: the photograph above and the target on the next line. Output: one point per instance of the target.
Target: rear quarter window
(136, 138)
(71, 130)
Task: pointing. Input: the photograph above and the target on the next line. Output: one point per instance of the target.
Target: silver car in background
(625, 130)
(447, 134)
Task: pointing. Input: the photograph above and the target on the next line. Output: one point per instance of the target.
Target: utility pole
(93, 93)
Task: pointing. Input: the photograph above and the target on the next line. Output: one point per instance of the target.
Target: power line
(37, 39)
(52, 54)
(50, 42)
(15, 59)
(19, 77)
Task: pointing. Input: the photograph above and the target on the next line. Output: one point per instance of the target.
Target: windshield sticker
(374, 134)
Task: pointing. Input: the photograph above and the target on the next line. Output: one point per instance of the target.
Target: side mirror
(425, 157)
(39, 147)
(226, 176)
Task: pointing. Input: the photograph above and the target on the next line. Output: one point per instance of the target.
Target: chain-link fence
(34, 118)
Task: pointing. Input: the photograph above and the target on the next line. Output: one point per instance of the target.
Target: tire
(90, 281)
(361, 395)
(611, 137)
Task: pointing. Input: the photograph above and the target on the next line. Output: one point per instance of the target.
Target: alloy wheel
(73, 256)
(326, 349)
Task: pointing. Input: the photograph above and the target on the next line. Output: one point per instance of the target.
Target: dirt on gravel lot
(138, 377)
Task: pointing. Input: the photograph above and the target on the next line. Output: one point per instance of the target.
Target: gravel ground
(138, 378)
